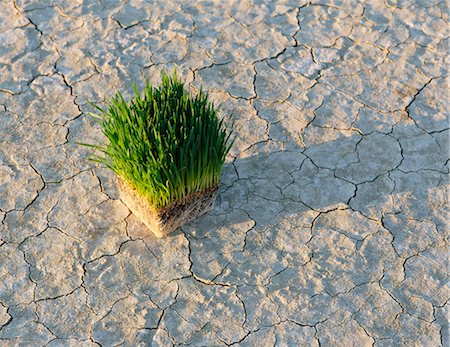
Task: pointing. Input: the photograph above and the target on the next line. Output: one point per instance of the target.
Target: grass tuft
(165, 142)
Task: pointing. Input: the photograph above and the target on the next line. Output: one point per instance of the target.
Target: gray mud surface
(330, 227)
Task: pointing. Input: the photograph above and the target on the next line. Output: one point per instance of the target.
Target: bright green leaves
(165, 142)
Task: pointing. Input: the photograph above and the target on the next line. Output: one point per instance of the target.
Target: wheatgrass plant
(166, 143)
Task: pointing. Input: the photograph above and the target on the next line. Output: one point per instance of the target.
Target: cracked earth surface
(330, 227)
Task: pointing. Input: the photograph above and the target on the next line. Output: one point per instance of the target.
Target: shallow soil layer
(162, 222)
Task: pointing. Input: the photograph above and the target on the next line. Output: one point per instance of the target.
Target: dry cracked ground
(331, 224)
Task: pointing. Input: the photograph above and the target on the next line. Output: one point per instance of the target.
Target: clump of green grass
(166, 143)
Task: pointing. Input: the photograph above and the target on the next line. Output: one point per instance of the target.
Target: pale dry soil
(330, 227)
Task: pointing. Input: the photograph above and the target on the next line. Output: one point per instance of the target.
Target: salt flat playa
(331, 222)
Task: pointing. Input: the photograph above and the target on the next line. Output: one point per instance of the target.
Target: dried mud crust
(162, 222)
(339, 165)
